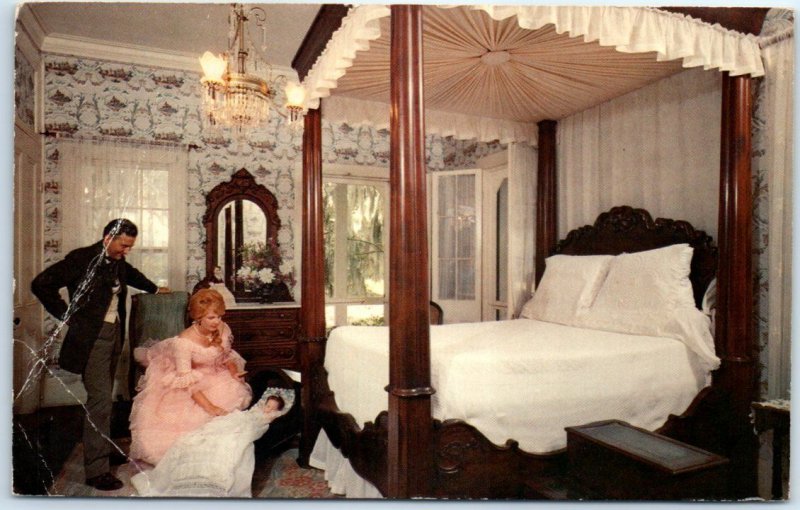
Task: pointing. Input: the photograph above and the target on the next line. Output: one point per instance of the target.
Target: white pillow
(570, 284)
(650, 281)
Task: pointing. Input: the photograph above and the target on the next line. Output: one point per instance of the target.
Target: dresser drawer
(247, 334)
(266, 337)
(267, 352)
(257, 318)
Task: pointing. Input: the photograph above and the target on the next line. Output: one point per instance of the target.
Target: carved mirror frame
(242, 186)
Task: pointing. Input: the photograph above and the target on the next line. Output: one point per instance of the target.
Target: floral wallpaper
(24, 102)
(760, 239)
(93, 98)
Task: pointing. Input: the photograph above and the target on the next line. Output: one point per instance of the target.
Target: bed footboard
(467, 465)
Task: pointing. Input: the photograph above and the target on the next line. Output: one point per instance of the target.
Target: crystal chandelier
(237, 99)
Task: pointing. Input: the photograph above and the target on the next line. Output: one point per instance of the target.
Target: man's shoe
(117, 459)
(104, 482)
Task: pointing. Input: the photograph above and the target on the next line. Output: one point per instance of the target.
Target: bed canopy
(493, 72)
(506, 73)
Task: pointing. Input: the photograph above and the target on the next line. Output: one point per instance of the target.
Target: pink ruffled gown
(164, 410)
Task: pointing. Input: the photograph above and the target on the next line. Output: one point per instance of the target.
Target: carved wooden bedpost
(312, 318)
(546, 196)
(410, 458)
(734, 319)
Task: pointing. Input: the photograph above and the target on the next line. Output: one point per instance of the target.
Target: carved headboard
(625, 229)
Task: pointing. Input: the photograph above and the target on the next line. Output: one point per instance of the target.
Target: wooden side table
(775, 415)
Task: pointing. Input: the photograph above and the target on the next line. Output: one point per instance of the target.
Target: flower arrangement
(262, 266)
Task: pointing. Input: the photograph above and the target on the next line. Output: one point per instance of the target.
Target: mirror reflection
(240, 222)
(242, 251)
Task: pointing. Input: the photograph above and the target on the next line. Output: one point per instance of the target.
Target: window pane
(155, 189)
(447, 196)
(254, 222)
(154, 229)
(466, 239)
(447, 237)
(154, 264)
(457, 236)
(365, 254)
(447, 278)
(329, 229)
(466, 190)
(465, 286)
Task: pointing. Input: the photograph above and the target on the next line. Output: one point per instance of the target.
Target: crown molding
(29, 35)
(131, 54)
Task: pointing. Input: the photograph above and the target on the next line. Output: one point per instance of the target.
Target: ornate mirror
(242, 224)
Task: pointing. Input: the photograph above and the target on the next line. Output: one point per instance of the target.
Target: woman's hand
(235, 371)
(206, 404)
(216, 411)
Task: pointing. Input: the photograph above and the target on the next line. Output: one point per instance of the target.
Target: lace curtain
(103, 180)
(655, 148)
(522, 170)
(772, 167)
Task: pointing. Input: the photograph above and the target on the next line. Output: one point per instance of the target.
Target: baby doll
(218, 459)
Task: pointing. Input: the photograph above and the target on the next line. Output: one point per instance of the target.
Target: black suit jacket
(89, 280)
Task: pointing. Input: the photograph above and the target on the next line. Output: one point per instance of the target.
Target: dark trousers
(98, 379)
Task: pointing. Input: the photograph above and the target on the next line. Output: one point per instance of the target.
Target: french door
(456, 240)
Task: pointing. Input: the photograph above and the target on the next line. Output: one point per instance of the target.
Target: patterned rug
(276, 477)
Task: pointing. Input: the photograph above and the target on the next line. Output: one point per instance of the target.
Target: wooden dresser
(266, 335)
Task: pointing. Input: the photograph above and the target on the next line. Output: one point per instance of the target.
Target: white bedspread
(524, 379)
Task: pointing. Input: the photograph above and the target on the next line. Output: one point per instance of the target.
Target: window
(146, 184)
(456, 218)
(456, 248)
(356, 255)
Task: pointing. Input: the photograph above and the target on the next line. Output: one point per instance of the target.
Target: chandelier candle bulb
(213, 67)
(295, 95)
(241, 101)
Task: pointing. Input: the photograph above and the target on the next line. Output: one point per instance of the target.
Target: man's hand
(163, 290)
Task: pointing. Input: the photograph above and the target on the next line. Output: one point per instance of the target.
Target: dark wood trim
(747, 20)
(312, 318)
(737, 377)
(229, 266)
(546, 196)
(241, 186)
(328, 20)
(410, 426)
(624, 229)
(313, 261)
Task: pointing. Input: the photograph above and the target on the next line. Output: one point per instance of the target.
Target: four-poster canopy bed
(404, 452)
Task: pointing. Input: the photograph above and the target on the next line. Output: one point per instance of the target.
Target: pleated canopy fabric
(514, 65)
